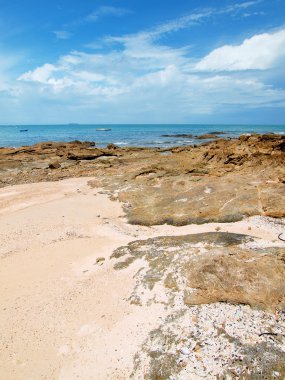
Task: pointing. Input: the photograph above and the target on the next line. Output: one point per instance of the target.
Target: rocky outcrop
(224, 296)
(206, 136)
(211, 267)
(183, 135)
(217, 181)
(54, 165)
(86, 154)
(238, 276)
(51, 155)
(224, 181)
(198, 198)
(50, 149)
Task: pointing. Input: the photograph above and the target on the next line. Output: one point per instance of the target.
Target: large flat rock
(209, 199)
(210, 267)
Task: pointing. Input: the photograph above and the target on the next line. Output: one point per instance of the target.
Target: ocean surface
(150, 135)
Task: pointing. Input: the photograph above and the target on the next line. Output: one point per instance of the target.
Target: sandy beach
(142, 190)
(86, 293)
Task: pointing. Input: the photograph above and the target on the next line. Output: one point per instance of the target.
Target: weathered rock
(112, 146)
(206, 283)
(222, 181)
(209, 268)
(182, 135)
(206, 136)
(85, 154)
(217, 183)
(54, 165)
(9, 164)
(86, 144)
(239, 277)
(203, 199)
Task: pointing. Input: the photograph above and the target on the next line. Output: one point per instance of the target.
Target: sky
(142, 61)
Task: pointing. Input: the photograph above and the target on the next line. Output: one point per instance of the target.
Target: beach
(143, 263)
(142, 190)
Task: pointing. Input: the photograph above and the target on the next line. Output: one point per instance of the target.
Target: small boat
(103, 129)
(23, 130)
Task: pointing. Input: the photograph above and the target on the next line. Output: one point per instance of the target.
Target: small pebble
(185, 351)
(276, 374)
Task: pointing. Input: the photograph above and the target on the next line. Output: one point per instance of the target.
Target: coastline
(128, 135)
(101, 270)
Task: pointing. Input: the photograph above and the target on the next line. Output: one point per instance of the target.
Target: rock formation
(219, 181)
(202, 279)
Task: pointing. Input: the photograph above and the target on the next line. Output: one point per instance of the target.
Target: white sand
(62, 315)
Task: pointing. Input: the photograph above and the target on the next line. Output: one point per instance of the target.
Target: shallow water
(124, 134)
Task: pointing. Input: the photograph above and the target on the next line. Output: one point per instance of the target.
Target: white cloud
(67, 30)
(158, 31)
(250, 14)
(154, 84)
(171, 26)
(136, 78)
(62, 34)
(40, 74)
(107, 11)
(259, 52)
(90, 77)
(244, 5)
(195, 18)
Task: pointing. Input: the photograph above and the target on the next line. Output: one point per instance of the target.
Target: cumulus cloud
(40, 74)
(154, 79)
(259, 52)
(137, 78)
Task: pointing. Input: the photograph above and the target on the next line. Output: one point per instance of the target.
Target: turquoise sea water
(124, 134)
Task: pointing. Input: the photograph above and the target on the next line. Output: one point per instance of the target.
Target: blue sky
(141, 61)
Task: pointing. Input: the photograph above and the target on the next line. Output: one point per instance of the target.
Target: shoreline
(126, 136)
(105, 273)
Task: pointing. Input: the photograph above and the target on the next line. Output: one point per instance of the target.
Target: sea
(140, 135)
